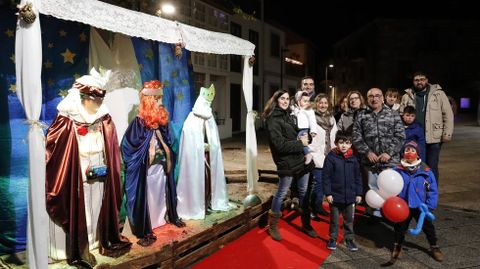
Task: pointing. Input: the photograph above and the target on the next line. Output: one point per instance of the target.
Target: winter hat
(411, 144)
(299, 95)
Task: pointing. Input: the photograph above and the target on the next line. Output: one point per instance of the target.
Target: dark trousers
(348, 212)
(317, 190)
(402, 227)
(433, 157)
(305, 204)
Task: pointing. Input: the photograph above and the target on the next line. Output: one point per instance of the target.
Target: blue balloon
(424, 213)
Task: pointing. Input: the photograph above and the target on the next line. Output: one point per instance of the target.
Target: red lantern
(395, 209)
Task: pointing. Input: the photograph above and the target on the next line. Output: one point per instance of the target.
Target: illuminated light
(464, 102)
(168, 9)
(293, 61)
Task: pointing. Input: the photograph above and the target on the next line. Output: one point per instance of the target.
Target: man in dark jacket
(342, 185)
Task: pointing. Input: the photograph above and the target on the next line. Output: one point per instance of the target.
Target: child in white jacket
(306, 122)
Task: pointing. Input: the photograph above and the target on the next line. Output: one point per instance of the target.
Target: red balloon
(395, 209)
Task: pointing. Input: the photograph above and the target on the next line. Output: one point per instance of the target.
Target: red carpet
(256, 249)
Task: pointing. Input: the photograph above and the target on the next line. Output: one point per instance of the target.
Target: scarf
(323, 120)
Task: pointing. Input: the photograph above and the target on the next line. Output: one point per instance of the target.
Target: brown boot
(436, 253)
(273, 225)
(396, 251)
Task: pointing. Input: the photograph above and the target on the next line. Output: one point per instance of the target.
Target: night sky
(333, 20)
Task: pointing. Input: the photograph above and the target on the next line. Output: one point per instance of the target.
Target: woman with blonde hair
(321, 145)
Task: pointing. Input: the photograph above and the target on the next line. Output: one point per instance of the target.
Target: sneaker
(295, 204)
(308, 158)
(351, 245)
(332, 244)
(315, 217)
(436, 253)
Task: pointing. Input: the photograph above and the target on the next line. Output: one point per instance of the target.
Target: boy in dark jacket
(419, 187)
(413, 129)
(342, 184)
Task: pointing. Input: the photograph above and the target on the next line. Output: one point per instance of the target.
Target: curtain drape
(28, 65)
(250, 135)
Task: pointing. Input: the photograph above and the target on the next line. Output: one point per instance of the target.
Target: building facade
(386, 52)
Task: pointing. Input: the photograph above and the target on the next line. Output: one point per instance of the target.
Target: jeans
(372, 180)
(283, 186)
(433, 157)
(372, 184)
(348, 213)
(317, 190)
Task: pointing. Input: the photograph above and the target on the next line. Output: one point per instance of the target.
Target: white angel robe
(191, 179)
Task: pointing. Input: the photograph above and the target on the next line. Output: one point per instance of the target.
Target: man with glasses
(433, 112)
(378, 135)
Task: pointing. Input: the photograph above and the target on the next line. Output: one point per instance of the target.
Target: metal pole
(281, 67)
(326, 78)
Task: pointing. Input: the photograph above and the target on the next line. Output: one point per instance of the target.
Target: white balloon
(390, 183)
(373, 199)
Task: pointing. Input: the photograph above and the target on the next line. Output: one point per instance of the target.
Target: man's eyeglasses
(419, 79)
(378, 96)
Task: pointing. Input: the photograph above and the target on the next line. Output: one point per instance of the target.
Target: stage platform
(183, 247)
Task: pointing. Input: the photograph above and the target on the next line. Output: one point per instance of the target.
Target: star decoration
(62, 33)
(76, 76)
(50, 45)
(184, 81)
(149, 54)
(68, 56)
(166, 83)
(179, 96)
(13, 88)
(83, 37)
(63, 93)
(9, 32)
(13, 58)
(174, 74)
(50, 82)
(48, 64)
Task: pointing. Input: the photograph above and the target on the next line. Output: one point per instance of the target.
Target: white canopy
(28, 52)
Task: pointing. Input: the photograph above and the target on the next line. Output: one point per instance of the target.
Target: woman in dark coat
(287, 153)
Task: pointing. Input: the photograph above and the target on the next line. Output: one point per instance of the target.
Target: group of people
(328, 154)
(84, 162)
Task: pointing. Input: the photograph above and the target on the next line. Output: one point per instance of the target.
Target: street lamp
(326, 76)
(282, 59)
(166, 9)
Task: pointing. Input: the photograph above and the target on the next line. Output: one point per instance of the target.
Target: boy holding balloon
(342, 185)
(420, 187)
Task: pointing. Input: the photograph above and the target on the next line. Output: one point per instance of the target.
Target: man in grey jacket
(433, 112)
(378, 136)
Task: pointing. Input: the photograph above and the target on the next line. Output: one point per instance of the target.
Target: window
(274, 45)
(199, 11)
(253, 37)
(223, 62)
(212, 60)
(199, 58)
(199, 79)
(235, 29)
(222, 21)
(235, 60)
